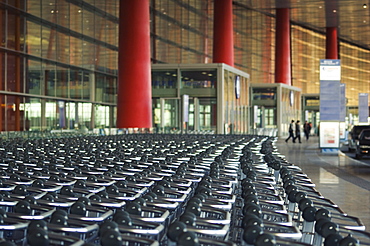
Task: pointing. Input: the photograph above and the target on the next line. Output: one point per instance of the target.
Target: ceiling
(352, 17)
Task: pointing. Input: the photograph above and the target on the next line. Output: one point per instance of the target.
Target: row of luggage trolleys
(244, 193)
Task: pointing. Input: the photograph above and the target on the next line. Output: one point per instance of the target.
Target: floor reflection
(340, 178)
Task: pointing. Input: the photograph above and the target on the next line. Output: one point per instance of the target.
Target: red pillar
(331, 43)
(134, 106)
(223, 39)
(282, 47)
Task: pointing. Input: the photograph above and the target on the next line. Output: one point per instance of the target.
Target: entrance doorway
(168, 115)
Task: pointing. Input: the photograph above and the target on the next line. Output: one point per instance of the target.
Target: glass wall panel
(156, 114)
(101, 59)
(71, 116)
(111, 91)
(75, 49)
(33, 39)
(229, 120)
(62, 52)
(15, 35)
(84, 114)
(32, 111)
(14, 79)
(87, 79)
(51, 115)
(2, 30)
(88, 22)
(61, 11)
(100, 86)
(88, 54)
(44, 9)
(164, 79)
(3, 68)
(266, 94)
(48, 43)
(105, 88)
(290, 109)
(76, 18)
(102, 116)
(35, 9)
(185, 31)
(308, 48)
(50, 79)
(112, 63)
(62, 78)
(35, 78)
(207, 114)
(100, 27)
(75, 84)
(199, 79)
(171, 117)
(13, 113)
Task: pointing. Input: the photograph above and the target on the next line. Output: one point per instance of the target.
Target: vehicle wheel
(358, 157)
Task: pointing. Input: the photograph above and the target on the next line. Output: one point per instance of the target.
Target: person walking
(307, 129)
(297, 132)
(291, 132)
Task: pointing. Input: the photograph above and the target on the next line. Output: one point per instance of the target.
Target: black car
(353, 135)
(363, 144)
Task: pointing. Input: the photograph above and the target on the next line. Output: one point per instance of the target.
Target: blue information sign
(342, 102)
(363, 107)
(330, 103)
(331, 109)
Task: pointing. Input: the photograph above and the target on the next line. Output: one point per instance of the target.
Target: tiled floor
(339, 178)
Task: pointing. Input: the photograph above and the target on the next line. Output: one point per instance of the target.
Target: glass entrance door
(202, 114)
(166, 115)
(207, 114)
(266, 117)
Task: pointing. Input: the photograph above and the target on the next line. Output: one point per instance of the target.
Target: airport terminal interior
(172, 138)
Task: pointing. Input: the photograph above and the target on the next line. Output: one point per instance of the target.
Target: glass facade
(59, 64)
(274, 106)
(218, 98)
(59, 60)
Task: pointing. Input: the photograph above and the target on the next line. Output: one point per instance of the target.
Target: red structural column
(282, 47)
(223, 39)
(134, 104)
(331, 43)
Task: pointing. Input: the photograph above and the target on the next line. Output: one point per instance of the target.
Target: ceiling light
(364, 6)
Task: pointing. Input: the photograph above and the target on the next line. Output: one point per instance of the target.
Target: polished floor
(340, 178)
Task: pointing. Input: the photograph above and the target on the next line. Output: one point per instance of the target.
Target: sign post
(185, 113)
(363, 108)
(342, 116)
(330, 105)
